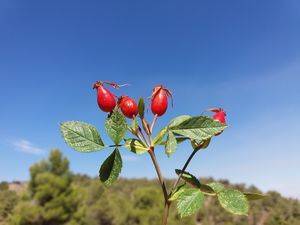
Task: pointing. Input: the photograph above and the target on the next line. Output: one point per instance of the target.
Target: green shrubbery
(55, 196)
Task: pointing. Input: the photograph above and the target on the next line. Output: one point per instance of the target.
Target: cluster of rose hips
(107, 101)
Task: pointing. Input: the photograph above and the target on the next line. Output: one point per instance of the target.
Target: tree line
(56, 196)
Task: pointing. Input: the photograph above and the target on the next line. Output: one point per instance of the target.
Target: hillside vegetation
(55, 196)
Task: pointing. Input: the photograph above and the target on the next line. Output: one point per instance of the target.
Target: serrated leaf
(176, 193)
(186, 176)
(233, 201)
(81, 136)
(171, 144)
(197, 145)
(198, 128)
(136, 146)
(189, 201)
(141, 107)
(160, 136)
(216, 186)
(111, 168)
(178, 120)
(254, 196)
(116, 126)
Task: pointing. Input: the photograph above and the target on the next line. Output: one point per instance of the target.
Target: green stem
(153, 123)
(184, 168)
(141, 136)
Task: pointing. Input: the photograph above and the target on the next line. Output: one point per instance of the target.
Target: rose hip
(159, 100)
(128, 106)
(219, 115)
(106, 100)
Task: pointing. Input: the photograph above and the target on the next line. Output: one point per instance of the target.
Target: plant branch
(141, 136)
(184, 168)
(159, 174)
(113, 146)
(166, 213)
(147, 130)
(153, 123)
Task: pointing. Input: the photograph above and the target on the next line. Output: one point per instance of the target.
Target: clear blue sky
(241, 55)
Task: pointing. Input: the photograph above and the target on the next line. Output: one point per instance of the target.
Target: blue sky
(241, 55)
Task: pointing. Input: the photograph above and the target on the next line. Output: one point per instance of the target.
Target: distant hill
(56, 196)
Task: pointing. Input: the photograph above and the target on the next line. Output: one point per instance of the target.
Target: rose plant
(188, 192)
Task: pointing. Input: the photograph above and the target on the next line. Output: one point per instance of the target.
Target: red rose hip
(128, 106)
(159, 100)
(219, 115)
(106, 100)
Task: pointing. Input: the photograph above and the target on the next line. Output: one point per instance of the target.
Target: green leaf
(206, 189)
(233, 201)
(197, 145)
(171, 144)
(177, 192)
(254, 196)
(136, 146)
(81, 136)
(189, 201)
(198, 128)
(205, 143)
(111, 168)
(186, 176)
(216, 186)
(160, 136)
(116, 126)
(134, 125)
(141, 107)
(178, 120)
(181, 139)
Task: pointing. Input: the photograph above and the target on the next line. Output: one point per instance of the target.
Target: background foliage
(54, 196)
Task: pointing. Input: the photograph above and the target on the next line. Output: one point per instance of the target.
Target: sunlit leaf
(136, 146)
(216, 186)
(233, 201)
(81, 136)
(189, 201)
(178, 120)
(160, 136)
(177, 192)
(116, 126)
(171, 144)
(198, 128)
